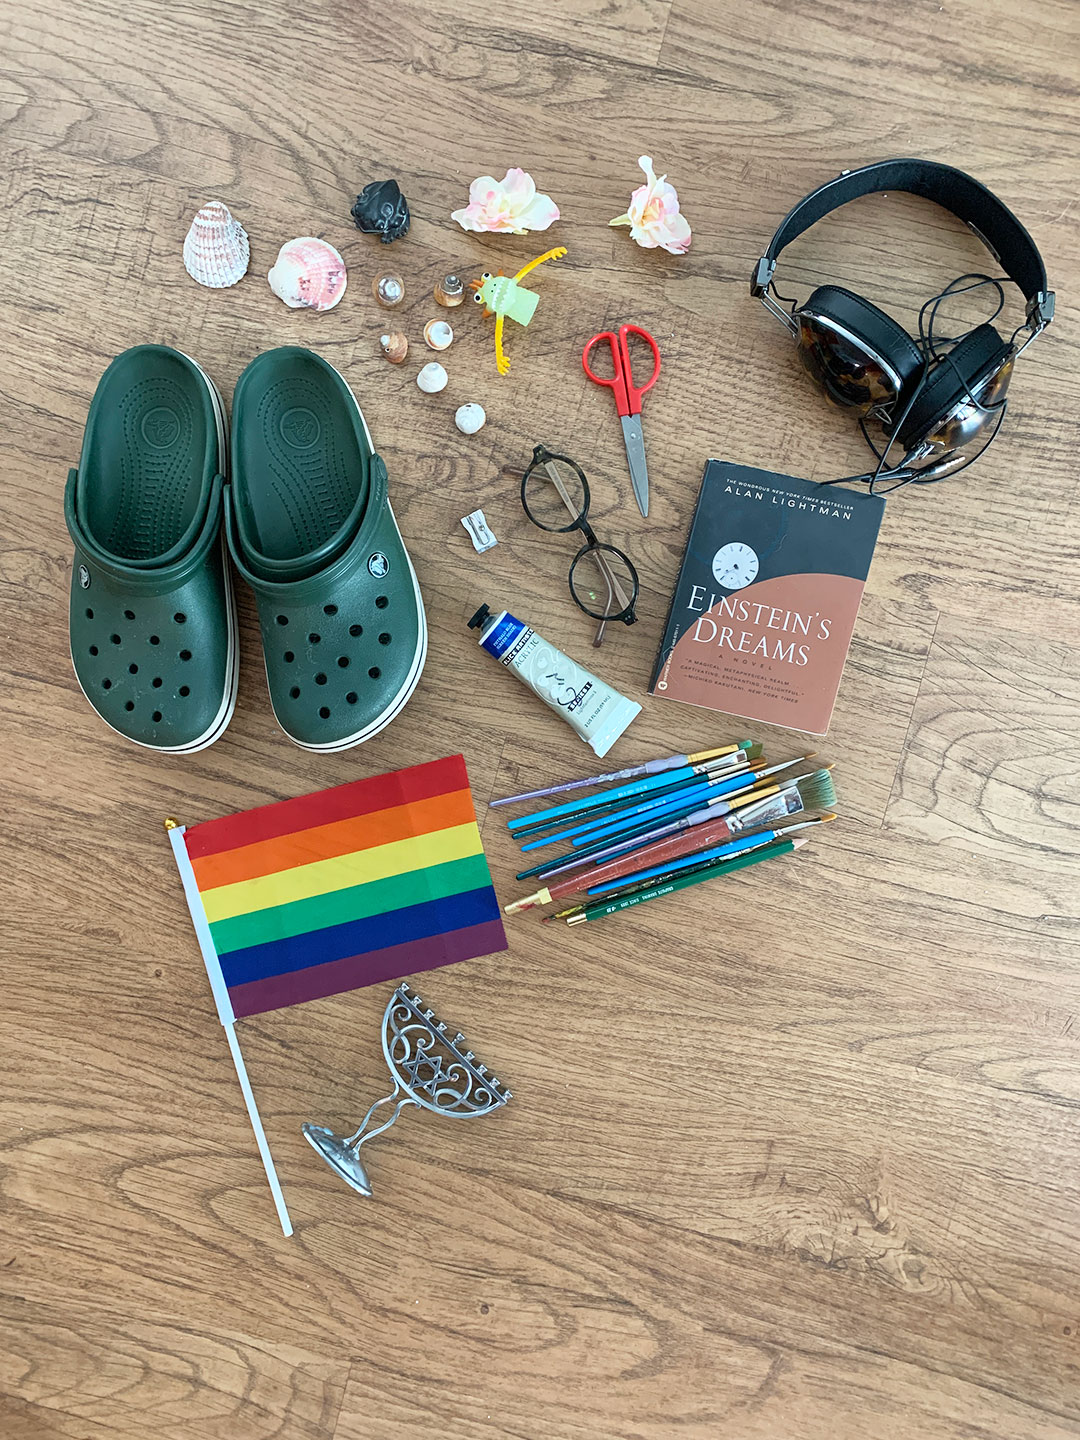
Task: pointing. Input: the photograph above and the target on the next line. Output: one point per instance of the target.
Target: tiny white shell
(469, 418)
(432, 378)
(438, 335)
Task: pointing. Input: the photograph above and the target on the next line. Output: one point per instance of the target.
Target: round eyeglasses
(603, 581)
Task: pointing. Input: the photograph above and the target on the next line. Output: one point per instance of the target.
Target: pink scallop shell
(308, 274)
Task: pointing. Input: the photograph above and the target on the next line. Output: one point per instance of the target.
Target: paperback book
(767, 597)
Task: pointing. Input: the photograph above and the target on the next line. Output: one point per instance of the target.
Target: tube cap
(479, 618)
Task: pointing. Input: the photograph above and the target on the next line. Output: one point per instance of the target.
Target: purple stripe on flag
(336, 976)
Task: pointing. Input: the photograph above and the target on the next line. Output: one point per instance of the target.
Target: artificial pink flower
(512, 204)
(653, 214)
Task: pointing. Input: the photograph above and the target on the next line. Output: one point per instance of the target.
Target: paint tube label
(596, 712)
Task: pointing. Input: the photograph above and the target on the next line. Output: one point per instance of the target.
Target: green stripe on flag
(355, 902)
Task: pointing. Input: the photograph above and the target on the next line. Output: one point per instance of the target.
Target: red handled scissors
(628, 400)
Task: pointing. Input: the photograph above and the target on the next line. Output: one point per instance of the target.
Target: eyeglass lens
(554, 494)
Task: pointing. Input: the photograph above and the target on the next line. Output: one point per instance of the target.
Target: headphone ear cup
(966, 368)
(860, 355)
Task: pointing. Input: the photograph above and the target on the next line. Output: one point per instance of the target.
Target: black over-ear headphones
(934, 404)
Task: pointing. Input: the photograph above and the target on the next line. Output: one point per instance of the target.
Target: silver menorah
(430, 1069)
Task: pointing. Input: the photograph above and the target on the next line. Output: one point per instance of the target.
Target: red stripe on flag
(360, 797)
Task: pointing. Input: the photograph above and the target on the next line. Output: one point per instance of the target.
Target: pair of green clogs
(306, 519)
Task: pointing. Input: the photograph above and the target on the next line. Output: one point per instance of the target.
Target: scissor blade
(635, 458)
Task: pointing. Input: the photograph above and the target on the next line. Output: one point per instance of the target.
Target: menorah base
(341, 1158)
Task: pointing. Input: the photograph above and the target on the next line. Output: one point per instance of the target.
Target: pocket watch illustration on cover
(735, 565)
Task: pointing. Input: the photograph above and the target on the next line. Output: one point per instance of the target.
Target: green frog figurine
(503, 296)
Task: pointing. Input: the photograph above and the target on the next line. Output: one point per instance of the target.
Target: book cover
(767, 596)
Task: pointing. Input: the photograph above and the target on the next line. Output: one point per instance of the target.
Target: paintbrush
(687, 836)
(650, 767)
(719, 852)
(681, 882)
(736, 762)
(699, 788)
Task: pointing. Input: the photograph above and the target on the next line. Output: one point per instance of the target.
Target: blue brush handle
(732, 847)
(692, 794)
(633, 815)
(609, 797)
(640, 835)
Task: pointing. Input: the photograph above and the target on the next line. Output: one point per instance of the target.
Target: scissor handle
(635, 392)
(617, 381)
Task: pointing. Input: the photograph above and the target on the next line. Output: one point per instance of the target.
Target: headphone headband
(966, 198)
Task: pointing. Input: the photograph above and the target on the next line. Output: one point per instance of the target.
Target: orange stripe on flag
(341, 837)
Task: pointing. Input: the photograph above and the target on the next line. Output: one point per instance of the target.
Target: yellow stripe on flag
(324, 876)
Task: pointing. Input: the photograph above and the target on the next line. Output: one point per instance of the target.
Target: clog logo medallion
(300, 428)
(84, 577)
(378, 564)
(161, 427)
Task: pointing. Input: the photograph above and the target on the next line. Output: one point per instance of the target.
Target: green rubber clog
(310, 528)
(152, 620)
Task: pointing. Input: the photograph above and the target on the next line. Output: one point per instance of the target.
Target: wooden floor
(798, 1157)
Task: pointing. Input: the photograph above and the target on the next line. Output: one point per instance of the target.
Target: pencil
(681, 882)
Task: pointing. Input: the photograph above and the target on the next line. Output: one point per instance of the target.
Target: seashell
(438, 335)
(216, 252)
(394, 346)
(432, 378)
(389, 290)
(469, 418)
(381, 209)
(450, 291)
(308, 274)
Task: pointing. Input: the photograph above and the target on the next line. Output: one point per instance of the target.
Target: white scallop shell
(216, 252)
(432, 378)
(308, 274)
(469, 418)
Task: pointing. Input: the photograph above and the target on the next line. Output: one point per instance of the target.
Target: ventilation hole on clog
(355, 630)
(374, 672)
(343, 661)
(295, 692)
(320, 679)
(381, 602)
(156, 682)
(156, 717)
(115, 639)
(93, 650)
(106, 684)
(282, 619)
(384, 638)
(89, 614)
(129, 705)
(289, 657)
(352, 697)
(133, 669)
(314, 639)
(329, 609)
(324, 712)
(180, 617)
(129, 614)
(185, 654)
(185, 690)
(154, 640)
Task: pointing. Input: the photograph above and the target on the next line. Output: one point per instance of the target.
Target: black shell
(381, 209)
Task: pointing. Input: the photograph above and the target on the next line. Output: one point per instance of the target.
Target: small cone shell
(216, 250)
(395, 346)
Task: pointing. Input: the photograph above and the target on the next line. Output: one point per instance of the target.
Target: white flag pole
(175, 832)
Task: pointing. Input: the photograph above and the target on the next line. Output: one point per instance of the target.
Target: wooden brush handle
(696, 837)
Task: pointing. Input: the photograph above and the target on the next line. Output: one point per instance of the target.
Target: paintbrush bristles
(817, 791)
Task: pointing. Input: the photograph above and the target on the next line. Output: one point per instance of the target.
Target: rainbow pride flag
(369, 881)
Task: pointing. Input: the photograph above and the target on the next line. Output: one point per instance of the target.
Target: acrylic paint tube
(592, 708)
